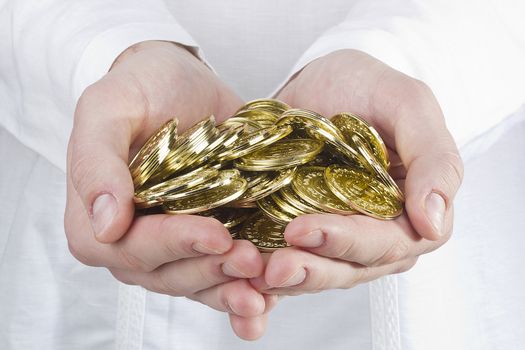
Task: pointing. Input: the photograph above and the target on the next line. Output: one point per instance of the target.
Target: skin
(333, 251)
(195, 257)
(179, 255)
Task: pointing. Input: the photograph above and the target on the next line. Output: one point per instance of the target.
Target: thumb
(429, 153)
(97, 158)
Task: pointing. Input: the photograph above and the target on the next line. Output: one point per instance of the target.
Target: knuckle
(413, 94)
(393, 253)
(406, 266)
(177, 243)
(124, 93)
(224, 296)
(164, 284)
(83, 170)
(132, 262)
(87, 98)
(362, 274)
(346, 247)
(210, 275)
(421, 87)
(245, 251)
(345, 250)
(418, 89)
(452, 171)
(357, 274)
(320, 282)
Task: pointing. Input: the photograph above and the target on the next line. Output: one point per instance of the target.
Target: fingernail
(231, 270)
(311, 240)
(201, 248)
(295, 279)
(435, 209)
(103, 212)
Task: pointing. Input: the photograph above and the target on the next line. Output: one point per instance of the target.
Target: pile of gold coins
(264, 166)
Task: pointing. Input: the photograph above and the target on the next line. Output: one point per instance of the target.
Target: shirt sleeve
(471, 53)
(51, 50)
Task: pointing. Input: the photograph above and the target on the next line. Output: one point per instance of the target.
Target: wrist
(153, 45)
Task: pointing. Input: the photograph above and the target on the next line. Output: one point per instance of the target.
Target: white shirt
(467, 295)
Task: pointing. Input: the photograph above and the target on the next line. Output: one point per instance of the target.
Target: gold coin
(350, 124)
(285, 206)
(148, 211)
(255, 177)
(153, 152)
(199, 147)
(309, 183)
(191, 142)
(266, 187)
(289, 195)
(235, 232)
(363, 192)
(232, 188)
(224, 141)
(264, 233)
(180, 183)
(274, 211)
(221, 179)
(255, 141)
(262, 117)
(229, 217)
(320, 128)
(182, 174)
(217, 165)
(238, 120)
(308, 121)
(232, 134)
(144, 202)
(378, 169)
(271, 105)
(324, 159)
(280, 155)
(243, 205)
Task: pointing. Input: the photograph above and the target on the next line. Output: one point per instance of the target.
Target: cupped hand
(332, 251)
(181, 255)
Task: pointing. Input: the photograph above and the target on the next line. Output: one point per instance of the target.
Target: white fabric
(467, 295)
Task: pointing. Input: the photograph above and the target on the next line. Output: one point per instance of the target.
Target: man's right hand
(181, 255)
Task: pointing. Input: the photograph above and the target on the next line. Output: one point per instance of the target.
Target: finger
(394, 158)
(293, 271)
(259, 282)
(105, 119)
(236, 297)
(270, 302)
(398, 172)
(154, 240)
(151, 241)
(252, 328)
(359, 238)
(189, 276)
(249, 328)
(409, 111)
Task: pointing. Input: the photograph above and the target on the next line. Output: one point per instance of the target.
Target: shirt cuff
(101, 52)
(378, 43)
